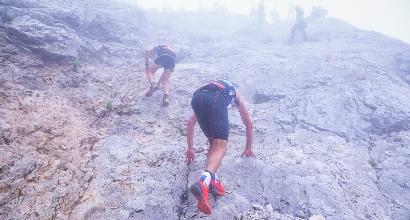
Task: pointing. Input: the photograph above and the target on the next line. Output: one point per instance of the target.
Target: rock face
(62, 30)
(79, 140)
(48, 41)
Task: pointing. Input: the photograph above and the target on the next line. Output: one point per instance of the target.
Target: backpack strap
(218, 84)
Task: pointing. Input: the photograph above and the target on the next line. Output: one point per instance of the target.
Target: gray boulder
(50, 42)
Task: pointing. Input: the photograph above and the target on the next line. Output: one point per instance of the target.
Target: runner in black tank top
(162, 56)
(210, 104)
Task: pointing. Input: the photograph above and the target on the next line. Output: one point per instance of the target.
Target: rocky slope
(78, 139)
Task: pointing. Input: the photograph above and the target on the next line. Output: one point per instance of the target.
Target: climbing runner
(210, 104)
(163, 57)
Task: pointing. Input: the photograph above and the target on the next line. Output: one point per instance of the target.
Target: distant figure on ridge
(317, 12)
(299, 25)
(210, 104)
(163, 57)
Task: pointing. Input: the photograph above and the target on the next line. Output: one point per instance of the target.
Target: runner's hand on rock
(190, 156)
(247, 153)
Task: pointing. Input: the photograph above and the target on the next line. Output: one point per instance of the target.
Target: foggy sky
(390, 17)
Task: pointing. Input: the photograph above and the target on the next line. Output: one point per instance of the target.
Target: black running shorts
(211, 111)
(166, 61)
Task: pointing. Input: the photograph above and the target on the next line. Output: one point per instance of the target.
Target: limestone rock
(49, 42)
(79, 140)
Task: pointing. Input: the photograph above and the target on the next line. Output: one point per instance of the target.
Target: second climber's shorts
(167, 61)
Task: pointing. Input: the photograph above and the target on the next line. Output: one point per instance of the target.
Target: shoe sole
(201, 204)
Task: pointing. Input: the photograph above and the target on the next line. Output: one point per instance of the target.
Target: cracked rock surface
(78, 139)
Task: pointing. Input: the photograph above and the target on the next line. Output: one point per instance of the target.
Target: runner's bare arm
(247, 121)
(190, 154)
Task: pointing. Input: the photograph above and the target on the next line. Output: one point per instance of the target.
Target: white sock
(206, 178)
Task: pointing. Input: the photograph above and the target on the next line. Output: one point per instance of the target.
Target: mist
(384, 16)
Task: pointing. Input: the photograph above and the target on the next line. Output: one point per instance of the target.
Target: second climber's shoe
(154, 87)
(165, 100)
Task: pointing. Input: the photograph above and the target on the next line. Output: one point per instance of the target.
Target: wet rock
(72, 18)
(112, 190)
(22, 170)
(103, 28)
(257, 207)
(5, 136)
(148, 130)
(32, 83)
(128, 111)
(50, 42)
(334, 141)
(260, 97)
(71, 79)
(122, 126)
(266, 212)
(7, 14)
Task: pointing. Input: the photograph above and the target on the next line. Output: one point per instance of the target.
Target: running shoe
(200, 191)
(154, 87)
(216, 188)
(165, 100)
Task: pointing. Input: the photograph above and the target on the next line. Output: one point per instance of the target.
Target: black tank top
(229, 91)
(163, 49)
